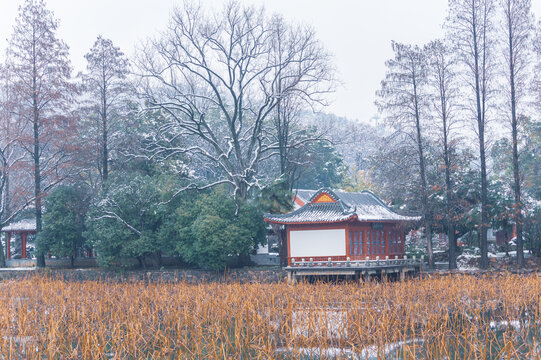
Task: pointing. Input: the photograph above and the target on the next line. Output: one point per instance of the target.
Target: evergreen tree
(214, 229)
(106, 88)
(64, 221)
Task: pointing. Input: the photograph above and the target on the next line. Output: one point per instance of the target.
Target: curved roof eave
(285, 222)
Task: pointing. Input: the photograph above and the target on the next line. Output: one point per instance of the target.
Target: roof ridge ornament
(331, 196)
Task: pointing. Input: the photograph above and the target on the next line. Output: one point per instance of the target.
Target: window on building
(393, 242)
(378, 243)
(355, 242)
(374, 243)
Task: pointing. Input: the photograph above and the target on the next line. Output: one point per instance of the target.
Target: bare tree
(536, 78)
(518, 25)
(6, 143)
(443, 83)
(15, 194)
(217, 81)
(40, 77)
(471, 30)
(105, 83)
(290, 133)
(403, 99)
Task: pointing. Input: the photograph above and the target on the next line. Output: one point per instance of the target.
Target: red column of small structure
(289, 246)
(386, 237)
(23, 245)
(8, 246)
(348, 250)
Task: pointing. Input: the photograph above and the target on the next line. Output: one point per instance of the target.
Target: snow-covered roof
(363, 206)
(304, 195)
(23, 225)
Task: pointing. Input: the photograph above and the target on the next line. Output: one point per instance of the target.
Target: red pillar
(386, 237)
(23, 245)
(347, 242)
(8, 246)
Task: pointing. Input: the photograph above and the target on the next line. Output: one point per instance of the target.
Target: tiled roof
(23, 225)
(304, 195)
(314, 213)
(364, 205)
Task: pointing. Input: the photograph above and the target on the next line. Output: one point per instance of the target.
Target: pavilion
(336, 232)
(22, 229)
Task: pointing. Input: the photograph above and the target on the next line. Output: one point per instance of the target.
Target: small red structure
(503, 236)
(23, 228)
(333, 226)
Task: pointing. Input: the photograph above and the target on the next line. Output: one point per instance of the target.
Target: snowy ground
(368, 353)
(468, 262)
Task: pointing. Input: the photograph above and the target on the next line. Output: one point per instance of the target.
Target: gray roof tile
(365, 205)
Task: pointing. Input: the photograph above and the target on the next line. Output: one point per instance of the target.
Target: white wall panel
(305, 243)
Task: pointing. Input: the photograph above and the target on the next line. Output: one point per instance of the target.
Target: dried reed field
(453, 317)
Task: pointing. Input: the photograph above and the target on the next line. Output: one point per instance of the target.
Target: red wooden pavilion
(335, 226)
(23, 228)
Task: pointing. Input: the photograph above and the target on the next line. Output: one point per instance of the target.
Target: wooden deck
(361, 269)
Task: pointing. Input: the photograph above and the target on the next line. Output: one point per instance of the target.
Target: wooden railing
(337, 261)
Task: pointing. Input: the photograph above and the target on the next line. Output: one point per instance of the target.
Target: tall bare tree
(444, 89)
(518, 26)
(470, 24)
(536, 80)
(105, 83)
(6, 142)
(216, 80)
(290, 133)
(40, 77)
(403, 99)
(15, 192)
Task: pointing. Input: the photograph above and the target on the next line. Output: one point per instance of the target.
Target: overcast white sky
(357, 32)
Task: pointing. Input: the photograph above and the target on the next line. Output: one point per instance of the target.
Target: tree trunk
(481, 137)
(422, 173)
(453, 248)
(242, 191)
(429, 249)
(451, 236)
(37, 173)
(105, 163)
(516, 169)
(449, 203)
(2, 254)
(5, 215)
(483, 242)
(282, 242)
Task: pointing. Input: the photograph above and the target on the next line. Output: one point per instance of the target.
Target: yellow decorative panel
(323, 198)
